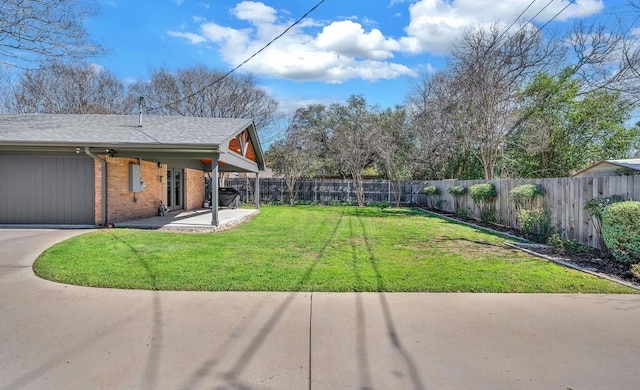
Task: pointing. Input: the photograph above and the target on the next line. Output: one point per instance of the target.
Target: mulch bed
(589, 259)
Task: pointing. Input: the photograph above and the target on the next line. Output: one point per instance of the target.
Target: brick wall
(124, 205)
(193, 189)
(121, 204)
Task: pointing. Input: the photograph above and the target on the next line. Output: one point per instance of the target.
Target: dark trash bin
(228, 197)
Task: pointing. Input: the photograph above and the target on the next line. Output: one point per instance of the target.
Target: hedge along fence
(565, 198)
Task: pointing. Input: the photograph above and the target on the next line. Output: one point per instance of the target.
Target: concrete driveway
(55, 336)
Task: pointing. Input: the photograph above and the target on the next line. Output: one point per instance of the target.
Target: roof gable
(158, 138)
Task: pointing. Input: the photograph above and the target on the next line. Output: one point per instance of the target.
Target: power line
(557, 14)
(300, 19)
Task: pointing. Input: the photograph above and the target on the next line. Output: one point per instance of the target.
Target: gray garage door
(46, 190)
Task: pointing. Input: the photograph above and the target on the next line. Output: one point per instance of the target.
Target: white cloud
(350, 39)
(337, 51)
(194, 39)
(254, 12)
(436, 24)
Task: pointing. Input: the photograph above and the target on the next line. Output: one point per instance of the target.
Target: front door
(175, 189)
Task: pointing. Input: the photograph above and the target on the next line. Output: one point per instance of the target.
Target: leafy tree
(36, 30)
(62, 88)
(565, 131)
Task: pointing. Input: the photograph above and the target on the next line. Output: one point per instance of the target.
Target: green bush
(457, 191)
(483, 193)
(635, 270)
(525, 194)
(464, 213)
(488, 215)
(595, 207)
(566, 246)
(431, 190)
(621, 230)
(536, 224)
(440, 203)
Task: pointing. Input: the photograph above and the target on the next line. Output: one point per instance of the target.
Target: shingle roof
(631, 163)
(117, 129)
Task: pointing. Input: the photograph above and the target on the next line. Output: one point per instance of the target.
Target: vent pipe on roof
(140, 107)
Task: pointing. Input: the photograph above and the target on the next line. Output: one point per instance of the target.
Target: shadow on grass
(232, 377)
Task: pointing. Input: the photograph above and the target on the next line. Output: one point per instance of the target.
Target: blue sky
(376, 48)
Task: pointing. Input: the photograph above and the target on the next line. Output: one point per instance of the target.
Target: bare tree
(203, 92)
(294, 157)
(59, 88)
(351, 141)
(488, 67)
(442, 149)
(33, 30)
(393, 146)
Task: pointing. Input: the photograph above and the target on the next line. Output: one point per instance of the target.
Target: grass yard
(313, 248)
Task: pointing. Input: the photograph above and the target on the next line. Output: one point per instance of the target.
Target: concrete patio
(193, 220)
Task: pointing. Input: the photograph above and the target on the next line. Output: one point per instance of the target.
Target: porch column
(256, 193)
(214, 191)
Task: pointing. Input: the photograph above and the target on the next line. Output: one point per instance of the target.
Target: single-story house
(611, 168)
(62, 169)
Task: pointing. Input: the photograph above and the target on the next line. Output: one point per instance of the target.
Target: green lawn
(313, 249)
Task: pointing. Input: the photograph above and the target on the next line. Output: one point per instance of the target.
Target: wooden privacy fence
(565, 198)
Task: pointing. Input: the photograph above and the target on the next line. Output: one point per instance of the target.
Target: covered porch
(195, 221)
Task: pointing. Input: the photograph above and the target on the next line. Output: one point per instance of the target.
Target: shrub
(595, 207)
(464, 213)
(483, 193)
(635, 270)
(566, 246)
(488, 215)
(525, 194)
(621, 230)
(536, 224)
(431, 190)
(440, 203)
(457, 191)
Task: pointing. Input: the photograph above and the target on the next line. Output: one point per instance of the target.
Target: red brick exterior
(193, 189)
(123, 205)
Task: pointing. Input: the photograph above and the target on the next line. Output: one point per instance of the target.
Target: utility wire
(300, 19)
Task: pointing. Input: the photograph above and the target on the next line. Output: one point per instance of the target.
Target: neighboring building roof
(610, 168)
(175, 134)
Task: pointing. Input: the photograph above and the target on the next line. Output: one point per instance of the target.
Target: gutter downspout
(103, 162)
